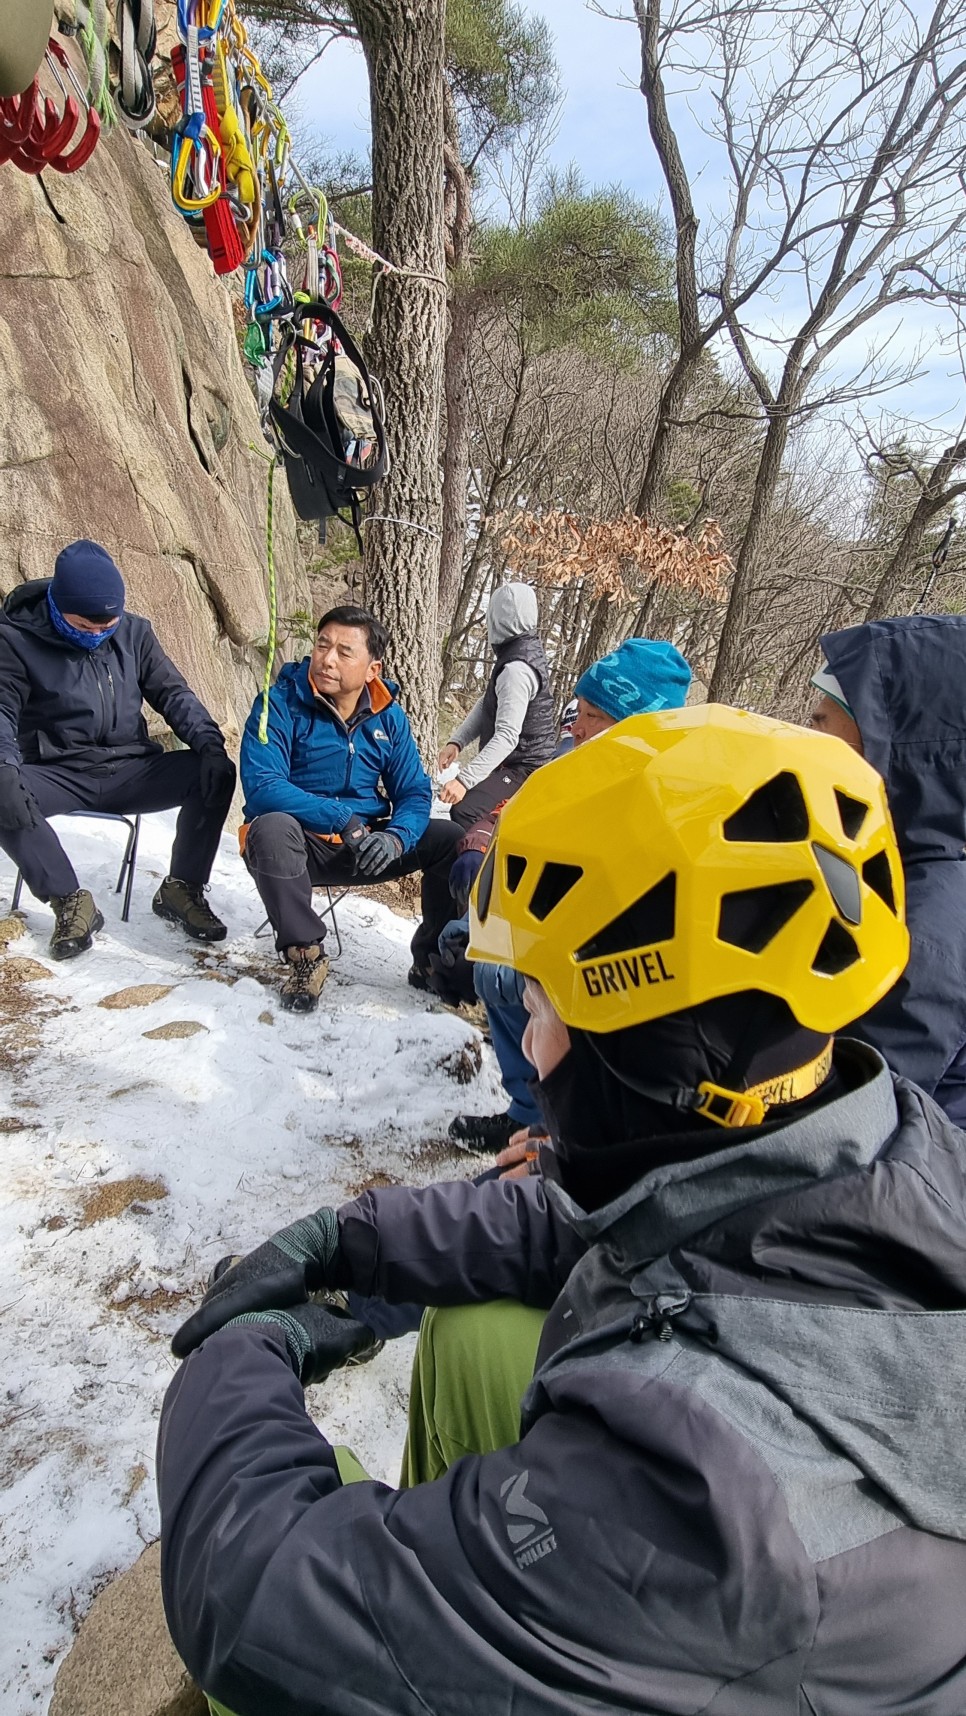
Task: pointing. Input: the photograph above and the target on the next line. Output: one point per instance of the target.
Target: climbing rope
(93, 30)
(272, 596)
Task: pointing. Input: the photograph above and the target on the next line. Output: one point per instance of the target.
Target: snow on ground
(222, 1136)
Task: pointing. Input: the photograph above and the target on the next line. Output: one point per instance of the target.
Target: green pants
(472, 1366)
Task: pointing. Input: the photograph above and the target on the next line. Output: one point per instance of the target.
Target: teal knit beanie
(642, 676)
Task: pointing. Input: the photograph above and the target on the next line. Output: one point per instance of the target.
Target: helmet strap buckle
(749, 1107)
(728, 1107)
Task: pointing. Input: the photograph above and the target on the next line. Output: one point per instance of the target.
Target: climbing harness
(329, 427)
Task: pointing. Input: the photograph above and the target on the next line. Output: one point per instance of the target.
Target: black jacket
(538, 735)
(905, 680)
(59, 702)
(738, 1487)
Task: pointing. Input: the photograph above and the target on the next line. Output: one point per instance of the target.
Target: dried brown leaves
(617, 558)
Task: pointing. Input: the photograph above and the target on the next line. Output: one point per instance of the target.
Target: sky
(602, 129)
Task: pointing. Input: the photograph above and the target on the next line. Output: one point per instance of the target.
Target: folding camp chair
(128, 862)
(328, 911)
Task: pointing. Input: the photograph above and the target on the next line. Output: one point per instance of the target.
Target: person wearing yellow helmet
(735, 1479)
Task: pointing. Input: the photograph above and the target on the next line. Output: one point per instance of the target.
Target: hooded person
(75, 669)
(735, 1482)
(513, 720)
(640, 677)
(895, 690)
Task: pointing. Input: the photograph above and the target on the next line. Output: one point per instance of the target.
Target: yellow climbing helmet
(693, 854)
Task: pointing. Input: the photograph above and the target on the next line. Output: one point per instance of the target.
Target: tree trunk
(403, 42)
(692, 338)
(937, 494)
(674, 394)
(456, 459)
(467, 587)
(731, 662)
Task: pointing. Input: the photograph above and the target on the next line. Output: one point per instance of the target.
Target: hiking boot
(78, 921)
(483, 1133)
(302, 987)
(418, 977)
(184, 903)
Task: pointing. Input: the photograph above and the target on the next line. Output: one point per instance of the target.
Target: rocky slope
(125, 416)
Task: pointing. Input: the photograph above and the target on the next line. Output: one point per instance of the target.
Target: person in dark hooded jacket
(75, 668)
(736, 1484)
(896, 690)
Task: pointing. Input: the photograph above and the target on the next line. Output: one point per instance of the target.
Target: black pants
(484, 797)
(128, 787)
(287, 863)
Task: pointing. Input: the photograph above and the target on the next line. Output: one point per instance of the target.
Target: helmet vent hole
(648, 920)
(843, 883)
(837, 951)
(878, 876)
(515, 867)
(853, 813)
(775, 812)
(752, 917)
(484, 887)
(555, 883)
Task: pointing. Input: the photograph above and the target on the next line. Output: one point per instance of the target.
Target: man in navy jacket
(336, 793)
(75, 669)
(893, 690)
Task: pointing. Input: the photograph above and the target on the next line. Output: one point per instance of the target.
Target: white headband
(827, 683)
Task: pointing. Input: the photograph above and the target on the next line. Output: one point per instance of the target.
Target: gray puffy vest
(538, 737)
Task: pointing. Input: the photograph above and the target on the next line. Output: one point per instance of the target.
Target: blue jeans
(501, 991)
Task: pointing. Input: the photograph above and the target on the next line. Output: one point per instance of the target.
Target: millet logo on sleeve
(612, 976)
(529, 1530)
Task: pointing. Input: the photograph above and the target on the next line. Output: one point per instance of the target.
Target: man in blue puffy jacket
(338, 795)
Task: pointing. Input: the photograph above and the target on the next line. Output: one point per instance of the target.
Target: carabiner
(83, 150)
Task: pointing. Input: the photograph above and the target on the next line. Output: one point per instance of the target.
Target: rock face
(125, 416)
(123, 1662)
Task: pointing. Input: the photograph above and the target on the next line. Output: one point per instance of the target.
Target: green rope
(272, 606)
(94, 35)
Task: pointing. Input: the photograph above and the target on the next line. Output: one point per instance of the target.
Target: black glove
(217, 773)
(18, 807)
(283, 1271)
(377, 852)
(454, 939)
(354, 833)
(463, 874)
(319, 1338)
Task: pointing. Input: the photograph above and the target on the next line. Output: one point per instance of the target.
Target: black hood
(26, 608)
(905, 681)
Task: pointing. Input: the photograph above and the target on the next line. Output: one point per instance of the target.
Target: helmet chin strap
(718, 1102)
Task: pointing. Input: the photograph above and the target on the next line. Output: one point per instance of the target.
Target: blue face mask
(83, 640)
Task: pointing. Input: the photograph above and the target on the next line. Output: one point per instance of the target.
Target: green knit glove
(283, 1271)
(319, 1338)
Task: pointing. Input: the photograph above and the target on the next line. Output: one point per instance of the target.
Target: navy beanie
(642, 676)
(87, 582)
